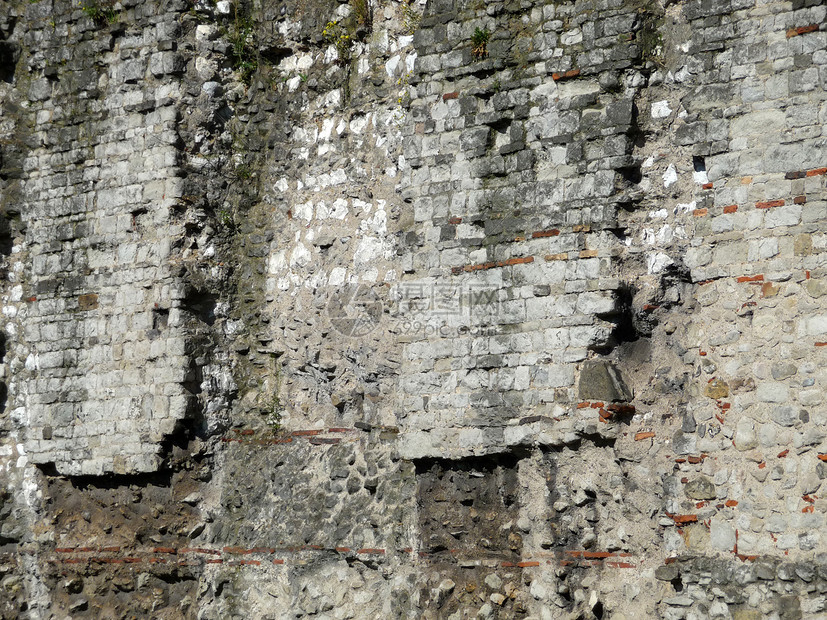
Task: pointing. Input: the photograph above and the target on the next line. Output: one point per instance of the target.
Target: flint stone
(700, 488)
(772, 392)
(684, 443)
(745, 438)
(601, 380)
(786, 415)
(721, 535)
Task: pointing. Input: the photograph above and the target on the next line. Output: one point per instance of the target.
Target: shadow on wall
(469, 505)
(9, 55)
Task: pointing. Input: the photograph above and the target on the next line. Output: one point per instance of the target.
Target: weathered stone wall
(98, 366)
(415, 323)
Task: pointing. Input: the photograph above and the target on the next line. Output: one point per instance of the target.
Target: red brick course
(491, 265)
(758, 278)
(566, 75)
(794, 32)
(545, 233)
(769, 204)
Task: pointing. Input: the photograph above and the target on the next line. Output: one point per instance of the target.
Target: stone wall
(398, 310)
(98, 368)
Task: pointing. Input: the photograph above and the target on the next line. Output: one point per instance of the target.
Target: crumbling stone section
(350, 495)
(469, 506)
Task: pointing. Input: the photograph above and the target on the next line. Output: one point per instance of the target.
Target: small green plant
(363, 12)
(274, 418)
(404, 97)
(100, 13)
(403, 100)
(496, 85)
(246, 68)
(225, 217)
(337, 35)
(242, 41)
(648, 37)
(243, 172)
(410, 16)
(479, 43)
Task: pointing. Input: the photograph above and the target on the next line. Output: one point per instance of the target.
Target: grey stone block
(601, 380)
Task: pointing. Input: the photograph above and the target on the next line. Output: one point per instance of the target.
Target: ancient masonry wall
(452, 309)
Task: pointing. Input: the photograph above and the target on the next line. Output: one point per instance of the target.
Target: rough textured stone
(601, 380)
(717, 389)
(745, 438)
(700, 488)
